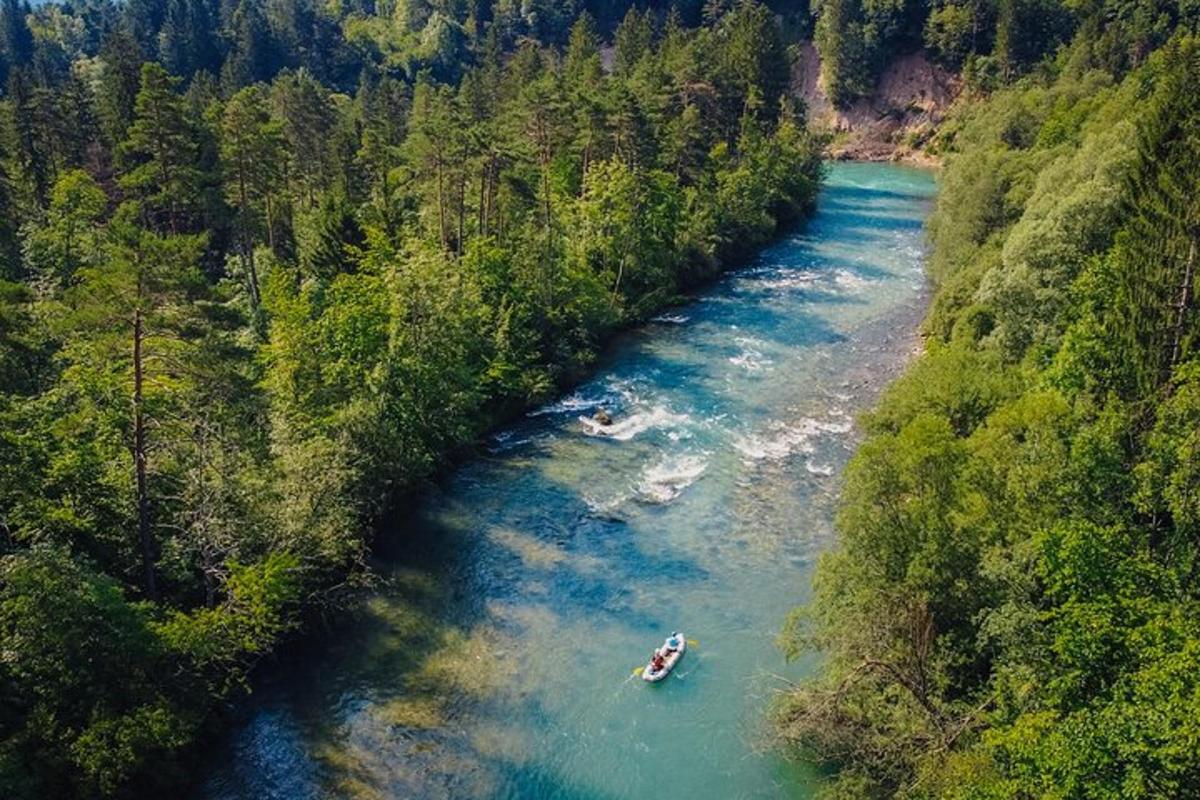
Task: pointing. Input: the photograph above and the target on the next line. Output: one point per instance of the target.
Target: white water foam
(751, 358)
(666, 480)
(784, 440)
(604, 508)
(791, 279)
(670, 319)
(615, 390)
(504, 441)
(845, 426)
(624, 388)
(850, 280)
(572, 403)
(630, 426)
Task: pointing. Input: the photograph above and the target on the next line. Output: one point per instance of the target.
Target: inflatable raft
(672, 651)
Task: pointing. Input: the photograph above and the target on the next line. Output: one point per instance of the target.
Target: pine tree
(433, 149)
(61, 122)
(1158, 253)
(144, 19)
(252, 56)
(10, 245)
(754, 56)
(187, 41)
(16, 40)
(161, 152)
(118, 87)
(79, 127)
(133, 327)
(69, 238)
(29, 167)
(252, 152)
(581, 63)
(632, 41)
(684, 149)
(539, 108)
(303, 107)
(714, 10)
(384, 107)
(332, 240)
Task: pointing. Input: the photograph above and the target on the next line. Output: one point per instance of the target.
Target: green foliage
(80, 672)
(222, 642)
(849, 46)
(70, 237)
(993, 42)
(625, 230)
(161, 151)
(1012, 609)
(247, 306)
(21, 352)
(1157, 253)
(951, 32)
(252, 161)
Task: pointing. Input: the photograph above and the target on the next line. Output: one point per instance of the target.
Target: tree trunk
(441, 206)
(546, 193)
(587, 161)
(139, 463)
(974, 28)
(68, 251)
(164, 174)
(492, 216)
(252, 272)
(542, 138)
(247, 243)
(483, 194)
(385, 207)
(462, 208)
(616, 292)
(1181, 308)
(270, 225)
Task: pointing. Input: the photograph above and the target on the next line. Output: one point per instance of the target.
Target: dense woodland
(991, 42)
(266, 265)
(1014, 609)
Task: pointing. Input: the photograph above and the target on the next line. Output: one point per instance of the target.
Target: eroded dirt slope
(909, 101)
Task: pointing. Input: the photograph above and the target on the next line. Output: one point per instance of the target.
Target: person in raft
(657, 662)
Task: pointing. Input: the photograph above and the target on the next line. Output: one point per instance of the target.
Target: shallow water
(496, 659)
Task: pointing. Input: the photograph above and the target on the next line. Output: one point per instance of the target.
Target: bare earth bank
(910, 100)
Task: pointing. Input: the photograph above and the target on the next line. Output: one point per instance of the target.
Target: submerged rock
(603, 417)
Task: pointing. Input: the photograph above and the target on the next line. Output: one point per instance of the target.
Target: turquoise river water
(495, 659)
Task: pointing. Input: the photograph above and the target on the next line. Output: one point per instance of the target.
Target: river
(496, 657)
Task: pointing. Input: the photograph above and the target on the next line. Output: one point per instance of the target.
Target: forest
(265, 267)
(268, 265)
(1013, 610)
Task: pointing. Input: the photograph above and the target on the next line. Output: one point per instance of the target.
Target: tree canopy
(1012, 609)
(264, 267)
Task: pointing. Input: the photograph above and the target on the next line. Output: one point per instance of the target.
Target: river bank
(895, 124)
(520, 594)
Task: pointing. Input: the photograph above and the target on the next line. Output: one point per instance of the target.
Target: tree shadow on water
(847, 192)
